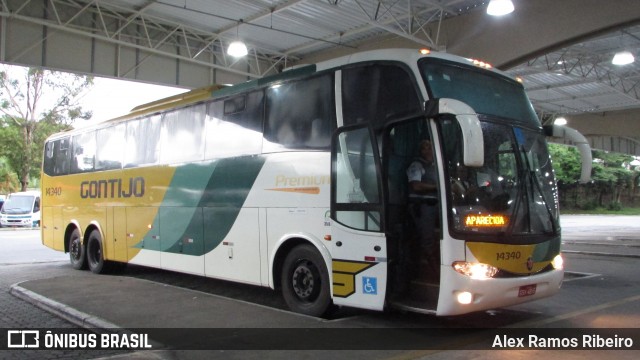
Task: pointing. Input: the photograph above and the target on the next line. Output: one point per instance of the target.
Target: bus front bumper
(460, 294)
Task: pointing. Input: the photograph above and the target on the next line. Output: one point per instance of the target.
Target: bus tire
(305, 281)
(95, 253)
(77, 253)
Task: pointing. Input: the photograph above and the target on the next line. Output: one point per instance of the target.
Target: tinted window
(182, 134)
(245, 110)
(84, 152)
(143, 137)
(486, 92)
(110, 145)
(57, 157)
(300, 114)
(357, 190)
(378, 94)
(235, 105)
(234, 126)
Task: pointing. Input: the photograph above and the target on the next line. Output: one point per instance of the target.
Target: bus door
(358, 247)
(413, 214)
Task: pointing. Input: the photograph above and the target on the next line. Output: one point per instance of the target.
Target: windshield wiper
(535, 183)
(518, 200)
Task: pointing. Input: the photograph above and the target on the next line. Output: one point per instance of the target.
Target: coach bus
(300, 182)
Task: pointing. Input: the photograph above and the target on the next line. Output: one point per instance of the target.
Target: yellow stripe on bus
(517, 259)
(344, 276)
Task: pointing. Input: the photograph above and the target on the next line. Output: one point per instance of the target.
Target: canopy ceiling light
(237, 49)
(500, 7)
(560, 121)
(623, 58)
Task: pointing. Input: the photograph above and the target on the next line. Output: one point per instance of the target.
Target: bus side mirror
(567, 133)
(472, 138)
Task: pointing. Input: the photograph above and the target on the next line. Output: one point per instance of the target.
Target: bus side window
(235, 105)
(234, 126)
(84, 152)
(49, 160)
(36, 204)
(109, 147)
(299, 115)
(377, 94)
(182, 137)
(62, 155)
(56, 157)
(143, 138)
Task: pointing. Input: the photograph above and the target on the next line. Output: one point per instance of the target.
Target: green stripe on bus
(203, 203)
(225, 194)
(547, 250)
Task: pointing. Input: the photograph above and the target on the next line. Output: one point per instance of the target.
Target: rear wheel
(95, 257)
(77, 254)
(305, 281)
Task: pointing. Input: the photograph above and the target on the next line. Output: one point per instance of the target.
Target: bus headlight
(558, 262)
(476, 271)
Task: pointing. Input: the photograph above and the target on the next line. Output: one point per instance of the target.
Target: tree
(8, 179)
(566, 163)
(15, 153)
(610, 177)
(36, 103)
(610, 172)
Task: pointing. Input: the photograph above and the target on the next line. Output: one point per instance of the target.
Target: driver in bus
(464, 189)
(423, 196)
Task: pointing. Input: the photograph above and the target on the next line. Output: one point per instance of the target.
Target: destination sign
(485, 220)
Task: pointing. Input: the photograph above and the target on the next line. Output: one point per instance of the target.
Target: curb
(595, 253)
(68, 313)
(88, 322)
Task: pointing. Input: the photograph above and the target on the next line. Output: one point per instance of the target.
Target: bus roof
(406, 55)
(175, 100)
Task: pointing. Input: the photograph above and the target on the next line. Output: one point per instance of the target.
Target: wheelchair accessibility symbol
(370, 285)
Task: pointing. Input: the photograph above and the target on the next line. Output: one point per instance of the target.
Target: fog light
(465, 297)
(558, 262)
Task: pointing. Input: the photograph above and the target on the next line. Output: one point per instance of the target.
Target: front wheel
(305, 281)
(95, 257)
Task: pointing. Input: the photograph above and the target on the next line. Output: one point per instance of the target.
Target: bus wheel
(77, 254)
(305, 281)
(95, 258)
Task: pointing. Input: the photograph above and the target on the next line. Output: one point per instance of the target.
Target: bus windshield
(486, 92)
(514, 192)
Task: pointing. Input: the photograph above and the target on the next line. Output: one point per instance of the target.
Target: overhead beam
(156, 37)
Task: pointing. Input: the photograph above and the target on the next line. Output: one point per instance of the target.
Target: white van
(21, 209)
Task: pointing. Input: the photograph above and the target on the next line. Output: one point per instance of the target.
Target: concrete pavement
(119, 302)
